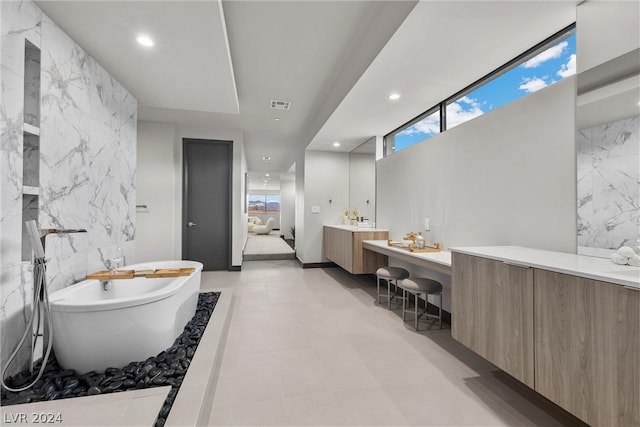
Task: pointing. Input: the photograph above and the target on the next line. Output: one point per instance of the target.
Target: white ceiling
(219, 63)
(441, 48)
(258, 181)
(190, 55)
(307, 52)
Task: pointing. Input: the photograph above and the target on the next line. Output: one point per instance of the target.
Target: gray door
(206, 230)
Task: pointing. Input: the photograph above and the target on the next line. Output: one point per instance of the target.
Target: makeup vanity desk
(437, 261)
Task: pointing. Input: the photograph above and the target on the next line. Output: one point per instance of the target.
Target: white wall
(606, 30)
(156, 171)
(299, 211)
(505, 178)
(170, 171)
(326, 177)
(287, 203)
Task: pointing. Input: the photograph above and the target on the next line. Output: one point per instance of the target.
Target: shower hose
(40, 311)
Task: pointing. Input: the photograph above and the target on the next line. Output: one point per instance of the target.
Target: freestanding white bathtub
(134, 319)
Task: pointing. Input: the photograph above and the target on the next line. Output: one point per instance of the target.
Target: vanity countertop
(355, 228)
(577, 265)
(438, 261)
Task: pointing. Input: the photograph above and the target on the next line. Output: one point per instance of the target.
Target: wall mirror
(362, 179)
(608, 156)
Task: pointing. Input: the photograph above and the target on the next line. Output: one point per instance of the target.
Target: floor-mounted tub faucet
(46, 231)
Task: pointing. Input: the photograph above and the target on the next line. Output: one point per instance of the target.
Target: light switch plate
(315, 209)
(427, 224)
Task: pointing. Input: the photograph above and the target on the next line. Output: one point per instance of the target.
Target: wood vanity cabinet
(574, 340)
(492, 303)
(343, 246)
(587, 348)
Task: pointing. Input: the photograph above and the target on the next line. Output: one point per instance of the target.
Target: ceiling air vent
(280, 105)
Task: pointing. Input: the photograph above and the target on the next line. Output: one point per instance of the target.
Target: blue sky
(546, 68)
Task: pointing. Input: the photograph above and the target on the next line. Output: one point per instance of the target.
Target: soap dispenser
(419, 241)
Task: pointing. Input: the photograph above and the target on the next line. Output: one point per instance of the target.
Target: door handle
(191, 224)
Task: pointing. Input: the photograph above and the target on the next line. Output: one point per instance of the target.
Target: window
(546, 63)
(533, 71)
(421, 128)
(264, 204)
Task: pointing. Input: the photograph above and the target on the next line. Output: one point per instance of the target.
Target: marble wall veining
(608, 168)
(85, 162)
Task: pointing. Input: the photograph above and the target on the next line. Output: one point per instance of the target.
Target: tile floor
(311, 347)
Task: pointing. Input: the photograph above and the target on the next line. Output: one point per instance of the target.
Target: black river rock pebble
(167, 368)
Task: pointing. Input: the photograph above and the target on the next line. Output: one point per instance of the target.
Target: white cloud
(462, 110)
(568, 69)
(533, 84)
(427, 126)
(551, 53)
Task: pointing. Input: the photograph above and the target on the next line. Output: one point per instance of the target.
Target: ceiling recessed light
(266, 158)
(145, 40)
(336, 144)
(394, 96)
(277, 119)
(266, 174)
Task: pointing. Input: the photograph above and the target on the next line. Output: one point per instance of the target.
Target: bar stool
(420, 286)
(390, 275)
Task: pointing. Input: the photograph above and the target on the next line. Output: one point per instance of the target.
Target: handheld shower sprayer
(40, 311)
(37, 243)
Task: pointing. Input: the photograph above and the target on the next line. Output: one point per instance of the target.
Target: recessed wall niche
(30, 142)
(31, 84)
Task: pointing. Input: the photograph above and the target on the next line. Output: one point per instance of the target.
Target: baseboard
(316, 264)
(269, 257)
(235, 268)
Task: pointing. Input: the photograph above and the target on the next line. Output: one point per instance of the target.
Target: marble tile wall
(86, 166)
(608, 186)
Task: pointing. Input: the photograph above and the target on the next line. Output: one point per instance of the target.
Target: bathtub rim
(59, 303)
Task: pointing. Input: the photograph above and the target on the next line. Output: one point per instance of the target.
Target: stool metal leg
(388, 294)
(378, 282)
(440, 312)
(404, 300)
(416, 313)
